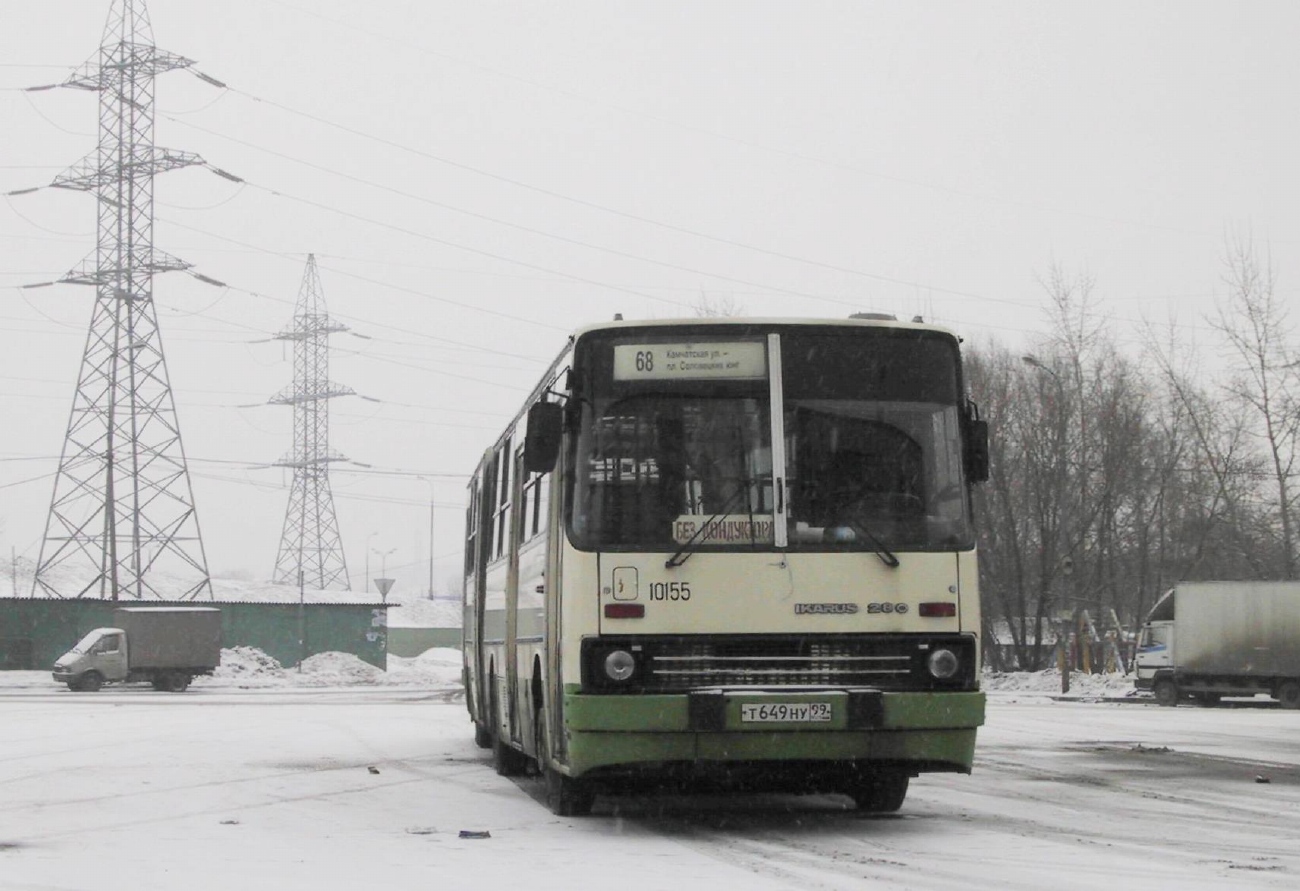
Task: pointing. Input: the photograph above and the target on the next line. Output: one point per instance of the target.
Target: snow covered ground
(340, 776)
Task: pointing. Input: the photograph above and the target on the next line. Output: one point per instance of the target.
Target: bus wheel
(508, 761)
(567, 796)
(880, 790)
(1288, 693)
(482, 736)
(1166, 692)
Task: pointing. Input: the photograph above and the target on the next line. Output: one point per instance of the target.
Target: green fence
(414, 641)
(34, 632)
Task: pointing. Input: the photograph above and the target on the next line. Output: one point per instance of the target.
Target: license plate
(785, 712)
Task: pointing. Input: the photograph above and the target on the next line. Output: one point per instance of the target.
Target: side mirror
(977, 451)
(542, 442)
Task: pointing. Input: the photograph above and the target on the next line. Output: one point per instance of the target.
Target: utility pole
(122, 523)
(429, 483)
(310, 543)
(368, 550)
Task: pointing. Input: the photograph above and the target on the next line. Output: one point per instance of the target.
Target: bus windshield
(873, 440)
(674, 450)
(653, 464)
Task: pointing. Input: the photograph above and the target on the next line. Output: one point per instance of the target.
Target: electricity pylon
(122, 523)
(311, 549)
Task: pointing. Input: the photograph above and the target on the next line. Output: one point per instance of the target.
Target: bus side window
(532, 505)
(471, 527)
(485, 514)
(503, 501)
(521, 509)
(541, 495)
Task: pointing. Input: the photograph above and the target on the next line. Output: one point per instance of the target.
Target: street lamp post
(430, 484)
(368, 539)
(383, 560)
(302, 616)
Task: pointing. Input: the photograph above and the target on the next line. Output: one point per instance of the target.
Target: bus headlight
(619, 665)
(943, 664)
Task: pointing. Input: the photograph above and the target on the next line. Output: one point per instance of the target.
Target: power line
(723, 137)
(424, 294)
(627, 255)
(763, 287)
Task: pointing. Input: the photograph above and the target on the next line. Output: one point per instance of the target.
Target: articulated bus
(730, 553)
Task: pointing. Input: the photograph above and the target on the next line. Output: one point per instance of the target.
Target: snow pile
(247, 667)
(242, 662)
(1082, 686)
(439, 667)
(339, 669)
(425, 613)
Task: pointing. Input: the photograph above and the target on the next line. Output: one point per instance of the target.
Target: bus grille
(711, 665)
(675, 664)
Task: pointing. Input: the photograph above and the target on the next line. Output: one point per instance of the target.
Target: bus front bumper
(930, 731)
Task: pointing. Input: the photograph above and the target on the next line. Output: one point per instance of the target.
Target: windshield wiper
(683, 553)
(887, 557)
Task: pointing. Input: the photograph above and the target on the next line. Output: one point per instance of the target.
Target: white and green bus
(735, 552)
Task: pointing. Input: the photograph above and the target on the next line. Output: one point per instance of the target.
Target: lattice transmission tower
(311, 549)
(122, 522)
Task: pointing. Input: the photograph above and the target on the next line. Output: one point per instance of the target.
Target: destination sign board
(707, 360)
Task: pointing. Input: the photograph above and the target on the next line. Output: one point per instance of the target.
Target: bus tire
(880, 790)
(1166, 692)
(482, 736)
(1288, 693)
(508, 761)
(567, 796)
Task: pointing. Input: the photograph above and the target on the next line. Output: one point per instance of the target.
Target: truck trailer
(164, 646)
(1206, 640)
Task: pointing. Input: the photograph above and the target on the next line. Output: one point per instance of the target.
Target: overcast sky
(476, 179)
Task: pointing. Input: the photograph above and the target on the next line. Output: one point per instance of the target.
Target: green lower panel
(947, 750)
(936, 731)
(662, 714)
(669, 713)
(952, 746)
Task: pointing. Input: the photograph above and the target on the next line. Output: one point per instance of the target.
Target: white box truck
(1206, 640)
(165, 646)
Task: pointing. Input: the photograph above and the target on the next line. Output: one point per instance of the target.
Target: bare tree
(1112, 479)
(724, 305)
(1257, 331)
(1208, 506)
(1014, 601)
(1065, 518)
